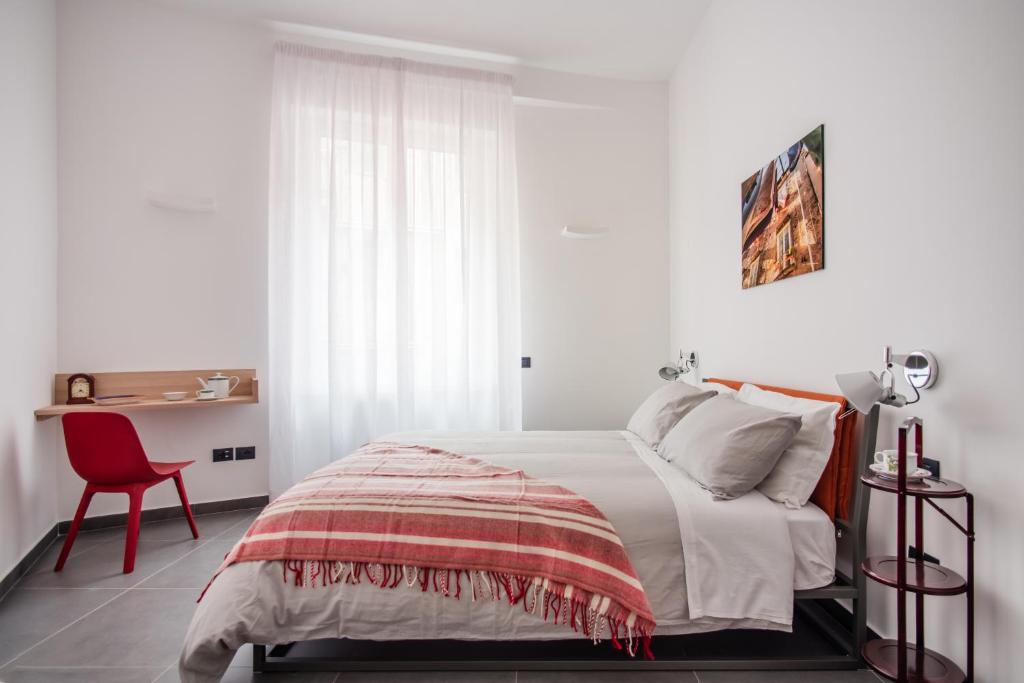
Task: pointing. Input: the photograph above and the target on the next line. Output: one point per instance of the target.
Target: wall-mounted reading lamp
(687, 362)
(864, 389)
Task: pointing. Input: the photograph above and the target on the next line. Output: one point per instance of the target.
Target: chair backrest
(105, 449)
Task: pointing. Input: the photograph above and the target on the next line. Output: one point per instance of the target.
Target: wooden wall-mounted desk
(151, 386)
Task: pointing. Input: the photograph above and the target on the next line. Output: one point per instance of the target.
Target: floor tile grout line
(58, 537)
(122, 592)
(161, 674)
(160, 540)
(84, 667)
(179, 559)
(101, 588)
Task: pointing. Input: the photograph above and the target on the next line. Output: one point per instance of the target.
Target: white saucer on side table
(917, 476)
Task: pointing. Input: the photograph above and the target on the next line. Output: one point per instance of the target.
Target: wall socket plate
(932, 466)
(223, 454)
(245, 452)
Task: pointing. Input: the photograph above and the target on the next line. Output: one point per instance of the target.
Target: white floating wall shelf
(576, 233)
(188, 203)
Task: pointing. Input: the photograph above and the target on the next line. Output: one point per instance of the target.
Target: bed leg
(259, 657)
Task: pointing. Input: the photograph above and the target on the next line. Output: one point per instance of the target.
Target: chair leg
(131, 540)
(180, 485)
(83, 505)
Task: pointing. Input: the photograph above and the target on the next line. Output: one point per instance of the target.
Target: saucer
(916, 477)
(212, 398)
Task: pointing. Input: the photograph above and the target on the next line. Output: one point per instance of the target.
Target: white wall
(595, 312)
(28, 272)
(163, 97)
(156, 98)
(922, 105)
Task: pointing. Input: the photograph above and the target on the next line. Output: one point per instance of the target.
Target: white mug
(890, 460)
(205, 394)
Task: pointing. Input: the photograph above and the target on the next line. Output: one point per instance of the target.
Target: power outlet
(245, 453)
(223, 454)
(932, 466)
(526, 362)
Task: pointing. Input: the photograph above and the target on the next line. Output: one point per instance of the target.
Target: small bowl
(175, 395)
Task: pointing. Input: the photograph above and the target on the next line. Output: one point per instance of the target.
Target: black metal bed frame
(848, 638)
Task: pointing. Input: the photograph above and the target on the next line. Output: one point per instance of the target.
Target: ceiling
(631, 39)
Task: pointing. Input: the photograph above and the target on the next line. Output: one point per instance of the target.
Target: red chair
(104, 449)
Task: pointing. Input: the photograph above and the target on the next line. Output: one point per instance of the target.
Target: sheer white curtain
(393, 255)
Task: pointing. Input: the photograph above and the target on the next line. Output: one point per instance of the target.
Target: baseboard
(158, 514)
(22, 567)
(105, 521)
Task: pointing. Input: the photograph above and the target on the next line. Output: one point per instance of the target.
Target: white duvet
(705, 564)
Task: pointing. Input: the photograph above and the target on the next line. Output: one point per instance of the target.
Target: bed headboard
(837, 488)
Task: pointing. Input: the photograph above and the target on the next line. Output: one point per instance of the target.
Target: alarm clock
(81, 388)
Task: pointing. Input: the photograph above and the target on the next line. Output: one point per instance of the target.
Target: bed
(705, 565)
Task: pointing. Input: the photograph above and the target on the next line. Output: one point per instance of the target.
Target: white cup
(206, 394)
(890, 460)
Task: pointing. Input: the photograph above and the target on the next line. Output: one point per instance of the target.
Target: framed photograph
(783, 209)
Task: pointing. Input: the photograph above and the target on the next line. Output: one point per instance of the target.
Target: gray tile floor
(91, 623)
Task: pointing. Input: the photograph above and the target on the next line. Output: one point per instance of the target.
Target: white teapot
(220, 384)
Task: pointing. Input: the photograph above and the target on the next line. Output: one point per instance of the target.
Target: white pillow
(728, 446)
(797, 472)
(663, 409)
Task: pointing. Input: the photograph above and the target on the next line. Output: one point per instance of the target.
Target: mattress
(637, 492)
(814, 546)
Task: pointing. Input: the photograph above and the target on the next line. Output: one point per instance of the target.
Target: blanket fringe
(568, 605)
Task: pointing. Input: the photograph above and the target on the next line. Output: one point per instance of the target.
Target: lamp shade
(862, 389)
(669, 373)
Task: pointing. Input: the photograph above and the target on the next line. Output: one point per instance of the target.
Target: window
(784, 242)
(393, 261)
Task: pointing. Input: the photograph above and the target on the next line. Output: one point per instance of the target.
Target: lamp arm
(887, 381)
(898, 359)
(892, 359)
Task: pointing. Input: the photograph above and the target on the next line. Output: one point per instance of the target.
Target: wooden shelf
(151, 386)
(929, 488)
(934, 668)
(145, 404)
(922, 577)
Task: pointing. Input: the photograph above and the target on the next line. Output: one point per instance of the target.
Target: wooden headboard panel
(837, 486)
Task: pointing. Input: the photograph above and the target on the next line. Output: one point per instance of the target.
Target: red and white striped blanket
(422, 517)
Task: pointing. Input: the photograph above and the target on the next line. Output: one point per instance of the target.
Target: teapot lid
(218, 375)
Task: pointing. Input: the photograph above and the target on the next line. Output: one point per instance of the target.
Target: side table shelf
(897, 659)
(921, 577)
(883, 655)
(929, 488)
